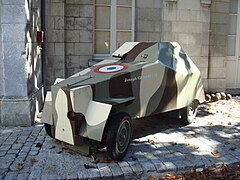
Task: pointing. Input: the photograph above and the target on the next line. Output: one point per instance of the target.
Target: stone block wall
(55, 38)
(21, 92)
(79, 35)
(69, 37)
(188, 23)
(218, 45)
(1, 67)
(15, 103)
(148, 20)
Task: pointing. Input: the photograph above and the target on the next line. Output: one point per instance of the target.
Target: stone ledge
(206, 2)
(16, 112)
(20, 111)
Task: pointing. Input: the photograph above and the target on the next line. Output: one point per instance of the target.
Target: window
(114, 25)
(232, 28)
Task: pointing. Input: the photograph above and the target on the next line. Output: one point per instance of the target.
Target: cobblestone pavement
(161, 145)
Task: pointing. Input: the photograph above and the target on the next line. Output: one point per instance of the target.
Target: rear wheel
(189, 113)
(119, 135)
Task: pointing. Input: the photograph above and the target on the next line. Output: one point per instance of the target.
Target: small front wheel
(189, 113)
(119, 135)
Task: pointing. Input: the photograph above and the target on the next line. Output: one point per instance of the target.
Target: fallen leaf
(39, 145)
(151, 177)
(134, 158)
(173, 143)
(232, 148)
(52, 147)
(215, 153)
(87, 166)
(64, 148)
(170, 176)
(227, 142)
(224, 169)
(33, 160)
(96, 161)
(151, 141)
(189, 136)
(209, 123)
(72, 152)
(20, 166)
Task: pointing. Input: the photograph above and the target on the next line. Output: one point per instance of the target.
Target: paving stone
(5, 147)
(28, 144)
(22, 155)
(17, 146)
(13, 151)
(35, 174)
(11, 175)
(126, 169)
(71, 165)
(104, 170)
(136, 167)
(116, 170)
(147, 166)
(2, 153)
(175, 149)
(83, 174)
(17, 164)
(94, 173)
(6, 161)
(54, 166)
(159, 165)
(170, 166)
(22, 139)
(23, 176)
(10, 140)
(33, 153)
(3, 172)
(25, 149)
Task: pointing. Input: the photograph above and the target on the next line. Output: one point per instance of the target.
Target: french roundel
(111, 68)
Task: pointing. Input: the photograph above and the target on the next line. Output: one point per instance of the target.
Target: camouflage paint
(141, 79)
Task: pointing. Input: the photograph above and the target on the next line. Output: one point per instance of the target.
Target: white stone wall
(69, 36)
(20, 62)
(79, 35)
(218, 45)
(148, 20)
(188, 23)
(55, 38)
(1, 66)
(1, 58)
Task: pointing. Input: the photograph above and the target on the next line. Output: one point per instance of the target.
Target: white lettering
(145, 77)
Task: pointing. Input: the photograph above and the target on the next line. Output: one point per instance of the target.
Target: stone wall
(19, 62)
(15, 104)
(188, 23)
(148, 20)
(218, 45)
(55, 37)
(1, 66)
(70, 33)
(69, 37)
(79, 35)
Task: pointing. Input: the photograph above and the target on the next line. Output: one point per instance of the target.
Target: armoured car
(139, 79)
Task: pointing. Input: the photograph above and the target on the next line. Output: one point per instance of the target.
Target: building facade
(79, 33)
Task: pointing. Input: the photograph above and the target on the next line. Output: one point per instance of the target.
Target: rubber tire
(117, 123)
(188, 114)
(48, 129)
